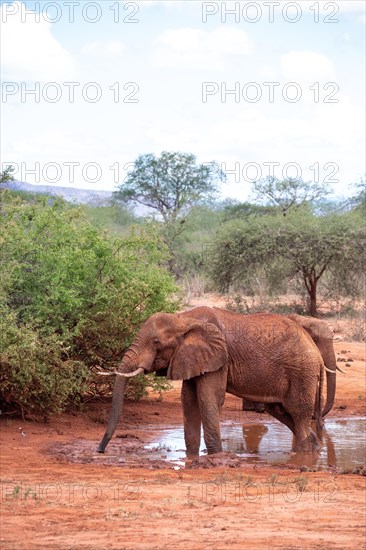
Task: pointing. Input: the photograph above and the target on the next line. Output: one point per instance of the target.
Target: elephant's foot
(192, 454)
(303, 446)
(213, 449)
(192, 444)
(308, 444)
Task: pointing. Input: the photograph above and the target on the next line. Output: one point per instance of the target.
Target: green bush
(73, 297)
(140, 385)
(35, 376)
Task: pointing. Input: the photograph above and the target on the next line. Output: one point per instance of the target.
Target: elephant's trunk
(116, 411)
(330, 363)
(318, 412)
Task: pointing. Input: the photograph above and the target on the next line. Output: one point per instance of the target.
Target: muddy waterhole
(262, 442)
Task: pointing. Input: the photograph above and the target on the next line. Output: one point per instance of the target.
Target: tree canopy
(301, 246)
(313, 246)
(288, 193)
(170, 184)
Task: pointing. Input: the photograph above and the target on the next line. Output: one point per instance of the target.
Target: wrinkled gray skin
(260, 357)
(322, 335)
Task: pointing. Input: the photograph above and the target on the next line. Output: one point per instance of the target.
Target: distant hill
(70, 194)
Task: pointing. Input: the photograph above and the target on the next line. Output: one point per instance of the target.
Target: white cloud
(193, 48)
(30, 51)
(113, 48)
(306, 66)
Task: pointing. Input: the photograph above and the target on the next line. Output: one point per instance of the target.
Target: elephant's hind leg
(192, 417)
(305, 439)
(300, 406)
(277, 411)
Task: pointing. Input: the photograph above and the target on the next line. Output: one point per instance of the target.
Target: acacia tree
(289, 193)
(170, 185)
(300, 246)
(313, 246)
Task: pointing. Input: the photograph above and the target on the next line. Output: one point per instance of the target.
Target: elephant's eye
(156, 341)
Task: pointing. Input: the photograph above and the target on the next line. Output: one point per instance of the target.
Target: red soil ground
(51, 500)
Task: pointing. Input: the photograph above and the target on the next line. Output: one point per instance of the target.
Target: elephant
(260, 357)
(322, 335)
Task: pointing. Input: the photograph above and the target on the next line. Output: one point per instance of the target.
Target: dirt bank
(58, 493)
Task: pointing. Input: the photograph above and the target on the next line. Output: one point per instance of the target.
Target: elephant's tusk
(328, 370)
(140, 370)
(340, 370)
(124, 374)
(102, 373)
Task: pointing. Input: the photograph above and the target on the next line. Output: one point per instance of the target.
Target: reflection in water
(270, 442)
(253, 435)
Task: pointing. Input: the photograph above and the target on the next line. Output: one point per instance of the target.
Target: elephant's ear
(202, 348)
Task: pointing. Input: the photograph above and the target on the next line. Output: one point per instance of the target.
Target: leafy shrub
(141, 384)
(35, 376)
(73, 297)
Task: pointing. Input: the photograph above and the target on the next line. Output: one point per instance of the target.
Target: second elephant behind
(322, 336)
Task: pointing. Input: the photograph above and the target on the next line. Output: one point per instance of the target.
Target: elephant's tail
(318, 404)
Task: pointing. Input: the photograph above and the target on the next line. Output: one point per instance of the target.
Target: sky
(260, 87)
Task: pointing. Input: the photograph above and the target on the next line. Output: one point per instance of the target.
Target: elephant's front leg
(211, 388)
(192, 417)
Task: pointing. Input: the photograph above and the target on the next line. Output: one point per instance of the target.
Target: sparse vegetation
(76, 282)
(301, 483)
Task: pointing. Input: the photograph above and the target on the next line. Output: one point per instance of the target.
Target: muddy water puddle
(269, 442)
(266, 442)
